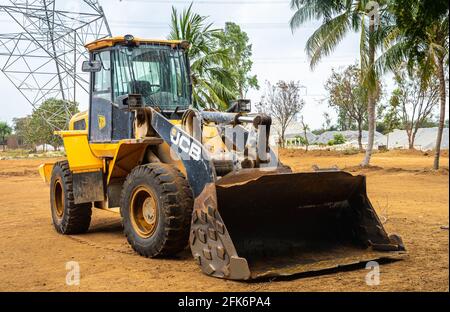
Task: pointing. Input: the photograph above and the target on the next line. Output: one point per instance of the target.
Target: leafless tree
(414, 102)
(282, 101)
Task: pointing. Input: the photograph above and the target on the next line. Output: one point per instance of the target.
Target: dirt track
(414, 201)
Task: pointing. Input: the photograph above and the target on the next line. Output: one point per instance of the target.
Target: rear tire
(68, 218)
(156, 208)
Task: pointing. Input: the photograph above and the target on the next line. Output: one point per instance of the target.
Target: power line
(210, 2)
(302, 60)
(161, 25)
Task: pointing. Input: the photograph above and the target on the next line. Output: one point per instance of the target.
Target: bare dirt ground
(411, 199)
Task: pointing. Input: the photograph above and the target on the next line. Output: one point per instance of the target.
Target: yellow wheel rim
(144, 211)
(59, 198)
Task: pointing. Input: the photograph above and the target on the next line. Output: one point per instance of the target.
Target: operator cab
(155, 72)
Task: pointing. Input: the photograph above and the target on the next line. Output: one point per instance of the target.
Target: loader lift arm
(331, 201)
(219, 258)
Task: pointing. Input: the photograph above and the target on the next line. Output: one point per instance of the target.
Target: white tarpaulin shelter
(425, 138)
(351, 137)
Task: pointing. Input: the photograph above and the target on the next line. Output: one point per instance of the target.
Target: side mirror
(91, 66)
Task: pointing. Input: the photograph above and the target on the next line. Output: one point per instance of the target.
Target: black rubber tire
(75, 219)
(174, 206)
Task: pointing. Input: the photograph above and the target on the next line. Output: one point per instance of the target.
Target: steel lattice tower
(43, 58)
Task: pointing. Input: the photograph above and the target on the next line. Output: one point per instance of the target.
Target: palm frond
(325, 39)
(213, 85)
(392, 58)
(307, 10)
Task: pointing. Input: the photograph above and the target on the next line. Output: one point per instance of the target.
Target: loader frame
(220, 260)
(100, 168)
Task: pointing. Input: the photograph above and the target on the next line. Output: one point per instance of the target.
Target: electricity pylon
(42, 59)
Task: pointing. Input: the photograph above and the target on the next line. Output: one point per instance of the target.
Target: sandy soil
(412, 199)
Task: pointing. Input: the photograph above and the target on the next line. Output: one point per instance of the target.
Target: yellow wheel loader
(208, 179)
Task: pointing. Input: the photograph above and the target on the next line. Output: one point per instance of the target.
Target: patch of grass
(15, 153)
(350, 151)
(21, 154)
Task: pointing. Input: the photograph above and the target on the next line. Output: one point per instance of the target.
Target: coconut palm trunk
(371, 139)
(371, 97)
(360, 132)
(442, 95)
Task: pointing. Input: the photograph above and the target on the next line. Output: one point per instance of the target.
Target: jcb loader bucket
(277, 224)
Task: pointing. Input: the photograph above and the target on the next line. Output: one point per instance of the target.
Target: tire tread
(176, 203)
(77, 217)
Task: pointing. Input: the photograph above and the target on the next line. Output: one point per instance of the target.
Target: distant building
(13, 142)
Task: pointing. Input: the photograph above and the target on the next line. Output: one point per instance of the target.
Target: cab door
(100, 124)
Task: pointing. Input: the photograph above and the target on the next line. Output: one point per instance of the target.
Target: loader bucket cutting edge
(277, 224)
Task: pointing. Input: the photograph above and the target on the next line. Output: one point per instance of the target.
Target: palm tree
(339, 17)
(213, 85)
(5, 130)
(437, 54)
(423, 42)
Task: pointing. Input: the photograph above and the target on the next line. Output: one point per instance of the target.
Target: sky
(278, 53)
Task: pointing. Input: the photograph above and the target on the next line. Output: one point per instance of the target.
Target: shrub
(338, 140)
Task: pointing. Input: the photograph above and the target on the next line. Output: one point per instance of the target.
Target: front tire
(68, 218)
(156, 207)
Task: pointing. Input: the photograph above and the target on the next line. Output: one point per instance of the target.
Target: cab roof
(110, 42)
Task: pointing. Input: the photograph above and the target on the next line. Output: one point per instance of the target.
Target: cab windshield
(159, 73)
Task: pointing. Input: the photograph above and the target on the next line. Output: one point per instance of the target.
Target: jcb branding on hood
(184, 143)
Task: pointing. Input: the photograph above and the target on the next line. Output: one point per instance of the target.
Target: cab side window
(100, 115)
(102, 79)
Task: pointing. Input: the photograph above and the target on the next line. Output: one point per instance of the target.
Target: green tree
(5, 130)
(349, 97)
(213, 83)
(236, 41)
(339, 17)
(40, 131)
(422, 39)
(24, 132)
(389, 122)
